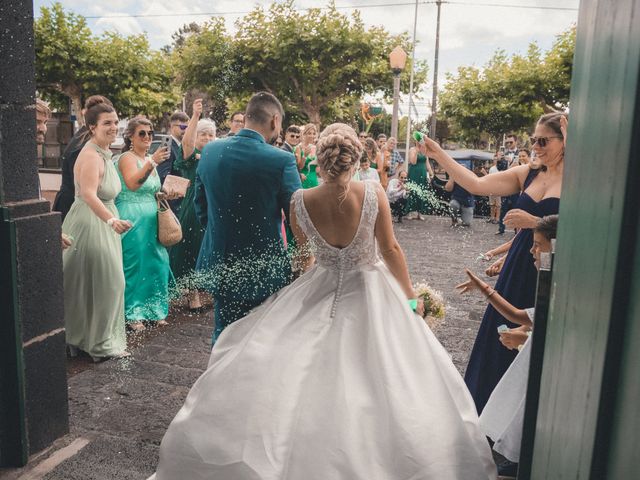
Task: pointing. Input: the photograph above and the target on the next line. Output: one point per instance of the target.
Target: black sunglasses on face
(541, 141)
(144, 133)
(292, 135)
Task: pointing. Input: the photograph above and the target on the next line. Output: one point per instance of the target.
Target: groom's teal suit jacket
(242, 187)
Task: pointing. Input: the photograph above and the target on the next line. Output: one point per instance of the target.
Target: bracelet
(153, 163)
(111, 220)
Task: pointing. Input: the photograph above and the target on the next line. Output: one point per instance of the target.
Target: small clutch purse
(176, 184)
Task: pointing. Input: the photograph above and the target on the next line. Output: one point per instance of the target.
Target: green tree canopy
(509, 93)
(71, 61)
(317, 62)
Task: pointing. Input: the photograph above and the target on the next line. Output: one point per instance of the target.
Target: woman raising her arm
(517, 281)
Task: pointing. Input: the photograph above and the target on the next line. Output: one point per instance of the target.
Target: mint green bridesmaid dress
(93, 275)
(145, 259)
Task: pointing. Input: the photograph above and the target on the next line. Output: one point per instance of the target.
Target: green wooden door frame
(14, 447)
(588, 422)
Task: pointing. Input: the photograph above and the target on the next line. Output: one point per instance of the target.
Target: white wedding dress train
(332, 378)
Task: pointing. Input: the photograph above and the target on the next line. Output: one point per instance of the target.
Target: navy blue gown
(517, 284)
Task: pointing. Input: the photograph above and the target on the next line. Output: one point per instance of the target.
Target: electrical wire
(337, 7)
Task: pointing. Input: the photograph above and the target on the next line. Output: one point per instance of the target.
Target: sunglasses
(144, 133)
(294, 135)
(541, 141)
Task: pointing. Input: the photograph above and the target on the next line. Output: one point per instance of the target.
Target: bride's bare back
(336, 220)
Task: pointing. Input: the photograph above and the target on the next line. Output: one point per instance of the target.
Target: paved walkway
(121, 409)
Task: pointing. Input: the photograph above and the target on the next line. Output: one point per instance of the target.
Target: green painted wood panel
(621, 441)
(586, 279)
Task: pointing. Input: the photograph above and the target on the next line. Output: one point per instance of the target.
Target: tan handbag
(169, 228)
(176, 184)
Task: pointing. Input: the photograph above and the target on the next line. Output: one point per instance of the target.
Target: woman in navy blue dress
(540, 185)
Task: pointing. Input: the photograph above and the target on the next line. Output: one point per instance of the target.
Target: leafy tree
(73, 62)
(64, 46)
(317, 62)
(509, 94)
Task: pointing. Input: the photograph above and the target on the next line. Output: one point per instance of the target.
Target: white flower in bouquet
(433, 311)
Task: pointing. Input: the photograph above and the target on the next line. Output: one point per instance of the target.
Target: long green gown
(418, 175)
(310, 172)
(145, 259)
(183, 256)
(93, 275)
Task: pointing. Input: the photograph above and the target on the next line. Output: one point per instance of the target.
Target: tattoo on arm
(144, 177)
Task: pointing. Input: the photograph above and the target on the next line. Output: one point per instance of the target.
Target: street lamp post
(397, 59)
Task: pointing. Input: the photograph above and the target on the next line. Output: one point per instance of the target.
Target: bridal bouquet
(434, 308)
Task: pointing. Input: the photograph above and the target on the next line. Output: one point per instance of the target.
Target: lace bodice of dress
(361, 250)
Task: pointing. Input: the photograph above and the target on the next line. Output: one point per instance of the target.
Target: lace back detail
(361, 250)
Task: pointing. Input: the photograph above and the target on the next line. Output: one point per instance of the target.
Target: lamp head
(397, 60)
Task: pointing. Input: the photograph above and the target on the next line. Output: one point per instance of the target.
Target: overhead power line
(338, 7)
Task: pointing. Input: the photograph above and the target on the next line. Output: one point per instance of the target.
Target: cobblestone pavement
(121, 409)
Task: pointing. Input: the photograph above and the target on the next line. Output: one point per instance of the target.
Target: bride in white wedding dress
(333, 377)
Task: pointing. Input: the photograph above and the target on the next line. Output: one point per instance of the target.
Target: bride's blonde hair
(338, 150)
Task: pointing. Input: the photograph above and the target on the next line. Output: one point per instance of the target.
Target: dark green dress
(417, 175)
(183, 256)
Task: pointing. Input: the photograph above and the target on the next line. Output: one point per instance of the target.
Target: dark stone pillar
(33, 383)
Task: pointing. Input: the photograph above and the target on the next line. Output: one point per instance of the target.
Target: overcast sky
(471, 30)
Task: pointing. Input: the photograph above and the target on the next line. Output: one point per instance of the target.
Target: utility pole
(413, 66)
(434, 105)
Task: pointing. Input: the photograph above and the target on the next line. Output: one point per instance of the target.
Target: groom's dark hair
(262, 107)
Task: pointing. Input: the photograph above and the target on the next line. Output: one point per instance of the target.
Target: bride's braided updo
(338, 150)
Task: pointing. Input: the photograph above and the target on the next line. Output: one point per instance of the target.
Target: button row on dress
(336, 297)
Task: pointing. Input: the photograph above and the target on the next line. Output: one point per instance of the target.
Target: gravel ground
(119, 410)
(438, 254)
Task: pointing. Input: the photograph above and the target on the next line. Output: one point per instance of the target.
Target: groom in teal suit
(243, 184)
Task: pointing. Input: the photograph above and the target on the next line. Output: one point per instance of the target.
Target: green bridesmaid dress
(93, 275)
(417, 174)
(184, 255)
(145, 259)
(309, 171)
